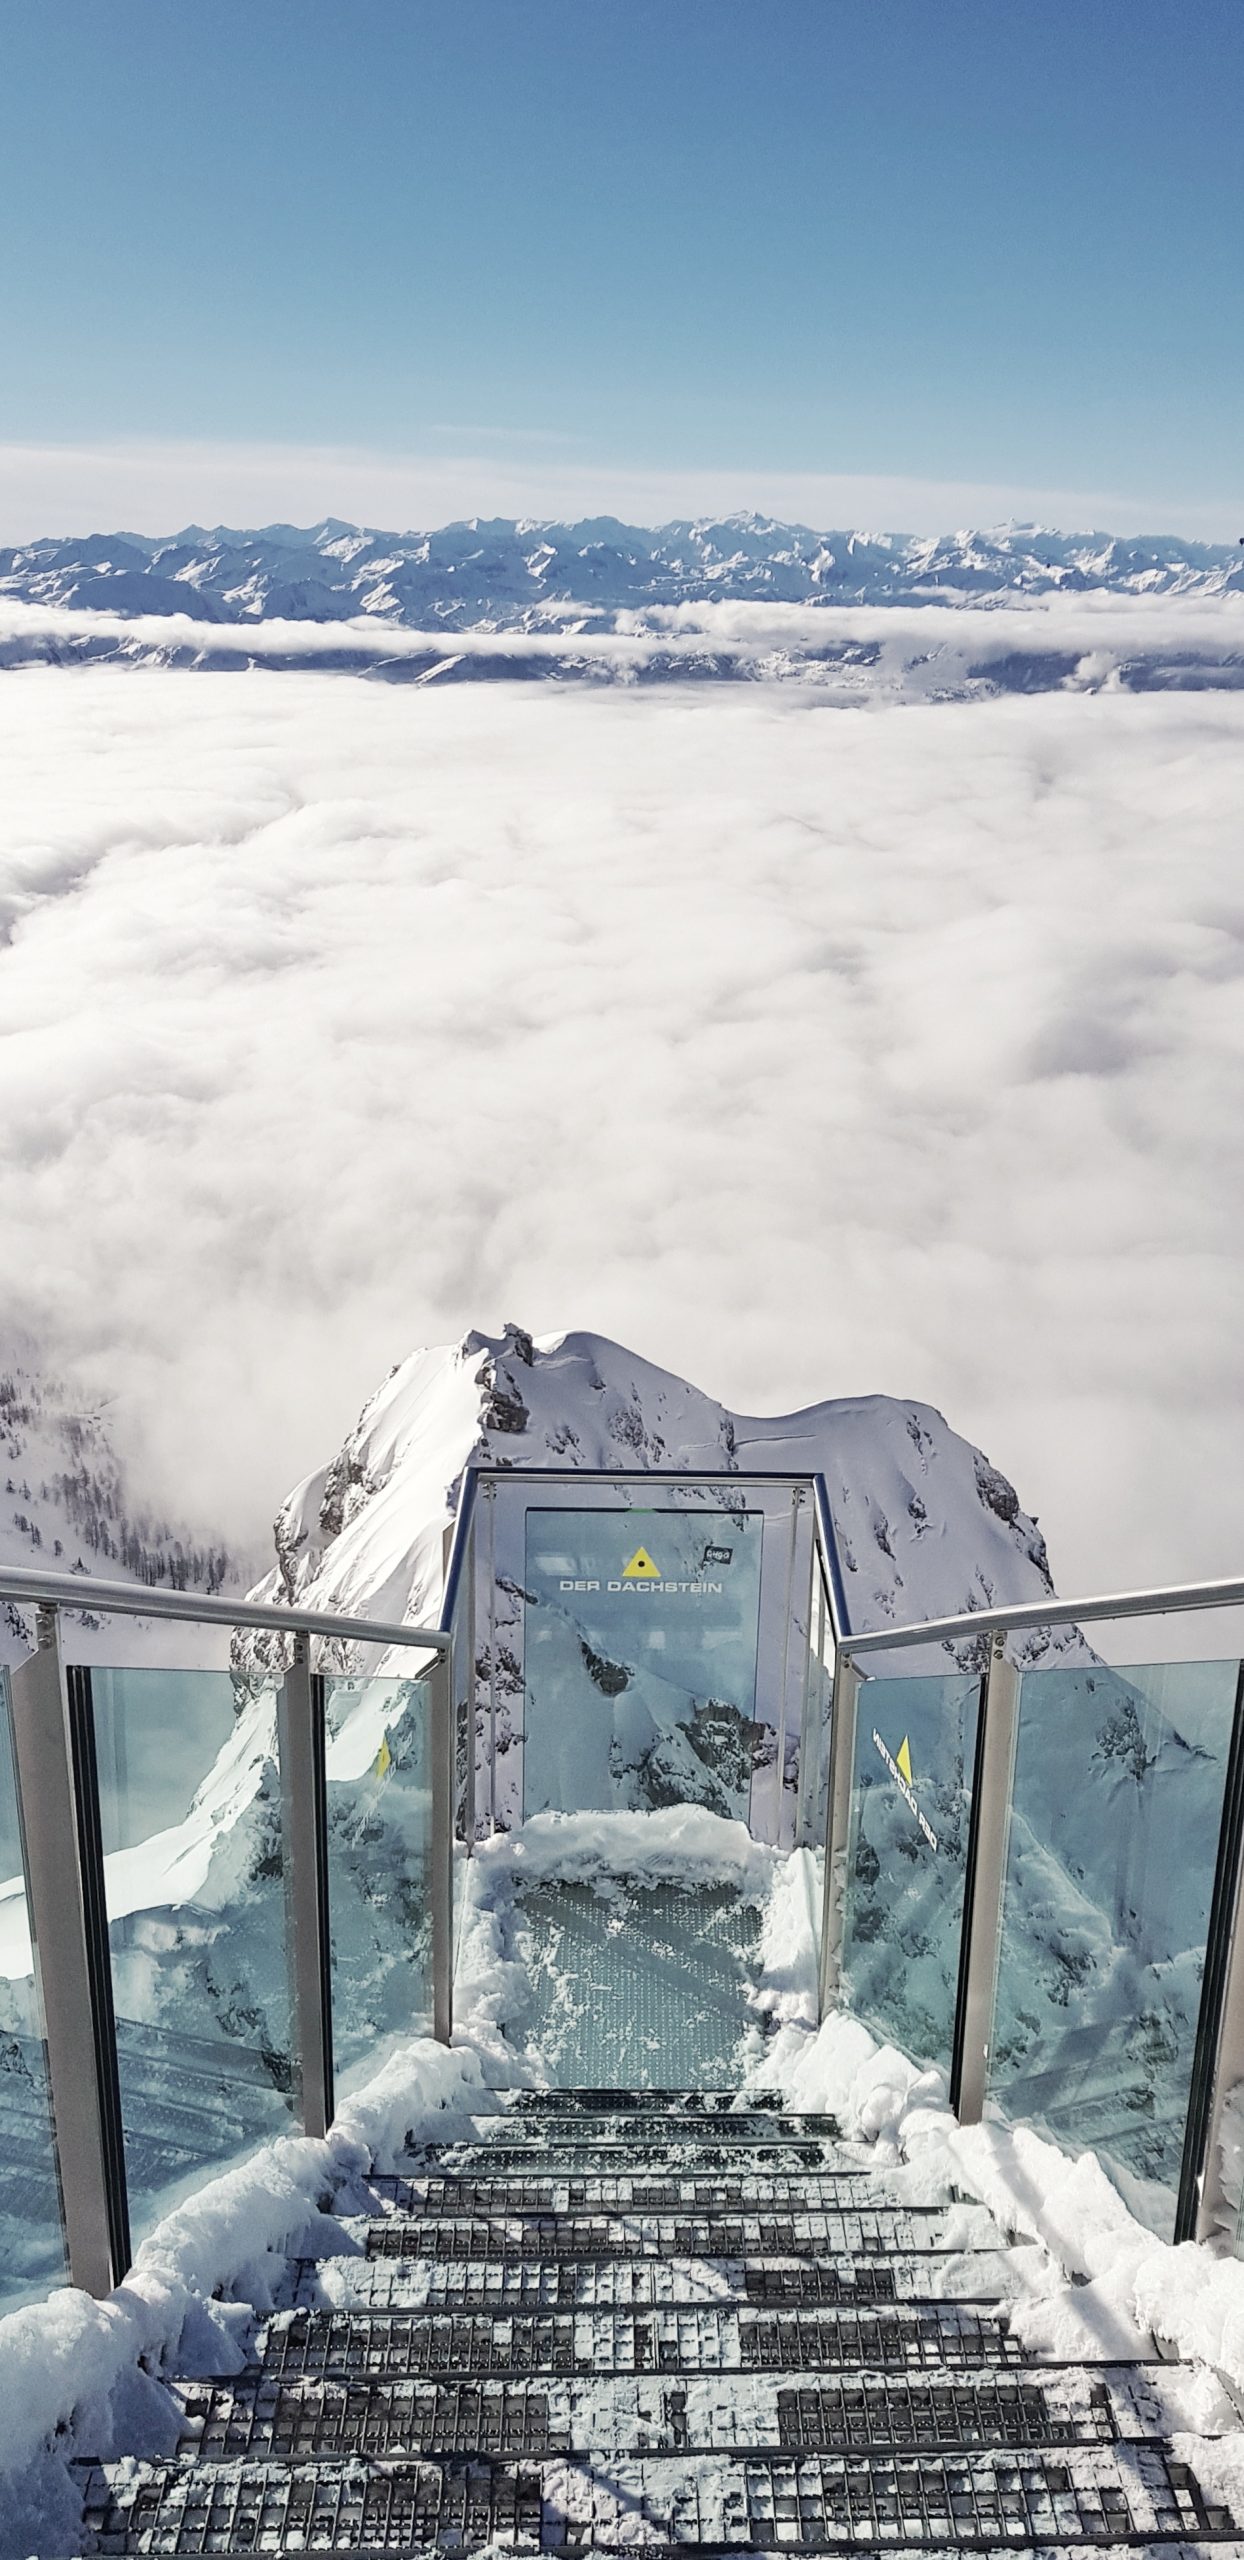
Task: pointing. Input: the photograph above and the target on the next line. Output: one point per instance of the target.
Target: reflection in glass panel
(911, 1792)
(641, 1636)
(1118, 1789)
(379, 1866)
(32, 2252)
(191, 1825)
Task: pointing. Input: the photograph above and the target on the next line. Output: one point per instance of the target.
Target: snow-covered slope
(515, 575)
(65, 1505)
(925, 1523)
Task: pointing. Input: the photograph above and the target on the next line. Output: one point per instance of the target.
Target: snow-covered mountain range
(503, 574)
(854, 616)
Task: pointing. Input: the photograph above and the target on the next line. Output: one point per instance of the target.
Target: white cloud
(155, 485)
(810, 1051)
(921, 648)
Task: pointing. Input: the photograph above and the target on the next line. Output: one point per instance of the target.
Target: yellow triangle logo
(641, 1568)
(902, 1760)
(383, 1761)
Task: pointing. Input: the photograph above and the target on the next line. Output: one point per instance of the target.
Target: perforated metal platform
(610, 2348)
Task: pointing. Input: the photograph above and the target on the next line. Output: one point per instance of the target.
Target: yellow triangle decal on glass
(902, 1760)
(641, 1568)
(383, 1761)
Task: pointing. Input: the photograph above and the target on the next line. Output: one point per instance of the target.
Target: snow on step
(689, 2339)
(646, 2283)
(1134, 2496)
(644, 2192)
(541, 2362)
(578, 2156)
(619, 2415)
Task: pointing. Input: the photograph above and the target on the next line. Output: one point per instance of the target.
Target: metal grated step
(647, 2284)
(449, 2191)
(681, 2102)
(1133, 2496)
(514, 2238)
(576, 2153)
(345, 2345)
(624, 2415)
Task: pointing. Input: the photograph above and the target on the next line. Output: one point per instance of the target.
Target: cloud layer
(811, 1051)
(1085, 641)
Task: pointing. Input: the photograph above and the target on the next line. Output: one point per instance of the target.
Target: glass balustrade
(191, 1826)
(626, 1648)
(379, 1798)
(1116, 1804)
(32, 2248)
(911, 1801)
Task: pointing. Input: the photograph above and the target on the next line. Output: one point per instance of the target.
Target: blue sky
(412, 258)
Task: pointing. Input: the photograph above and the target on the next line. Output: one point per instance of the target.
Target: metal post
(62, 1963)
(1211, 2186)
(803, 1802)
(780, 1807)
(490, 1495)
(300, 1748)
(841, 1763)
(983, 1884)
(441, 1710)
(467, 1601)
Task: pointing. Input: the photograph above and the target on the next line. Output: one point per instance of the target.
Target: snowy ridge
(926, 1524)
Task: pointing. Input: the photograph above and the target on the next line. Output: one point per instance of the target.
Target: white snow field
(800, 1046)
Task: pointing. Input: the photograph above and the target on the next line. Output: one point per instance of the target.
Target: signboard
(633, 1622)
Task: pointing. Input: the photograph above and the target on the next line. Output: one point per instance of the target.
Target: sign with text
(678, 1590)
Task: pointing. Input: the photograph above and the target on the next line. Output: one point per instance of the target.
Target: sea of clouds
(810, 1050)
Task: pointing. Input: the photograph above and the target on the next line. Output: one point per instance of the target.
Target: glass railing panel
(379, 1791)
(32, 2246)
(1116, 1804)
(641, 1635)
(911, 1801)
(192, 1835)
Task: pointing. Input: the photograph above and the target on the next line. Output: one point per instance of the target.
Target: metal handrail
(839, 1617)
(1051, 1613)
(137, 1600)
(460, 1541)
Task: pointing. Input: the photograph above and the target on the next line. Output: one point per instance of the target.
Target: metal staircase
(656, 2321)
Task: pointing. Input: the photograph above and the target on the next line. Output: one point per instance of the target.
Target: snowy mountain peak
(926, 1524)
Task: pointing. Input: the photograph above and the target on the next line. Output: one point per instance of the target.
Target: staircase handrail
(1162, 1602)
(199, 1608)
